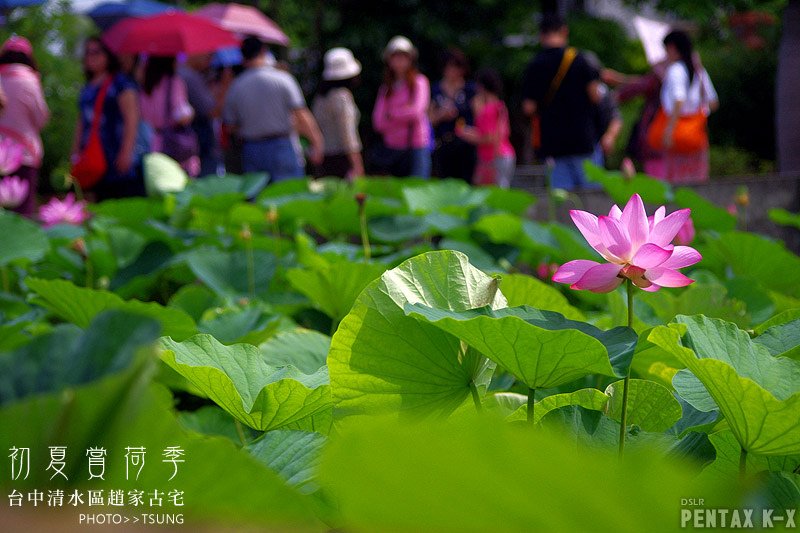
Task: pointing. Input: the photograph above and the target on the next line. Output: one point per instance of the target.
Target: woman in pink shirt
(26, 112)
(496, 158)
(161, 83)
(401, 114)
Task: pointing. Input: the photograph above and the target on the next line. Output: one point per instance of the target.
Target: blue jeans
(420, 163)
(276, 157)
(568, 173)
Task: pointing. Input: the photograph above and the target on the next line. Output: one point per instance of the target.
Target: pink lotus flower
(637, 247)
(13, 192)
(10, 156)
(685, 235)
(545, 271)
(66, 211)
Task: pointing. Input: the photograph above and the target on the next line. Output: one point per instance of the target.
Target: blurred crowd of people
(252, 118)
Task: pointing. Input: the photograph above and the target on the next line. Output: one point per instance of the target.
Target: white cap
(340, 65)
(399, 44)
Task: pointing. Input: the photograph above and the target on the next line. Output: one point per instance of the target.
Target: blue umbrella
(227, 57)
(5, 5)
(108, 14)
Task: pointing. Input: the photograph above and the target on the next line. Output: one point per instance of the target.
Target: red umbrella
(167, 34)
(245, 20)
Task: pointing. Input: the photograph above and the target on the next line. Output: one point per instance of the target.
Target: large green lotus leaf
(220, 484)
(403, 227)
(304, 349)
(520, 289)
(784, 317)
(620, 189)
(226, 273)
(784, 217)
(505, 403)
(239, 380)
(758, 394)
(692, 390)
(383, 361)
(505, 228)
(334, 288)
(130, 211)
(142, 274)
(593, 429)
(13, 335)
(250, 325)
(22, 239)
(514, 201)
(726, 463)
(592, 399)
(486, 475)
(570, 243)
(651, 406)
(756, 257)
(194, 300)
(294, 455)
(126, 244)
(717, 339)
(80, 305)
(320, 422)
(782, 340)
(477, 255)
(69, 356)
(332, 215)
(705, 214)
(212, 420)
(710, 299)
(755, 297)
(541, 348)
(247, 186)
(449, 196)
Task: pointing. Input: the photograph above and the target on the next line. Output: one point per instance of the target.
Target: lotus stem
(475, 397)
(89, 272)
(742, 463)
(623, 423)
(629, 287)
(251, 268)
(531, 404)
(362, 216)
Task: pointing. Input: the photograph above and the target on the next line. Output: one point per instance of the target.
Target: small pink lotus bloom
(733, 210)
(545, 271)
(686, 234)
(66, 211)
(13, 192)
(10, 156)
(637, 247)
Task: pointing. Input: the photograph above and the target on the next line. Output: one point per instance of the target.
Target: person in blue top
(451, 103)
(119, 123)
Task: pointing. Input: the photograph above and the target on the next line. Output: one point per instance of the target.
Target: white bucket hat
(399, 44)
(340, 65)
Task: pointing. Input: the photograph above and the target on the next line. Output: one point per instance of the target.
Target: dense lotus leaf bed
(383, 356)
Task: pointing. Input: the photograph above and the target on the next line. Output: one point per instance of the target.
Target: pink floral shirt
(26, 112)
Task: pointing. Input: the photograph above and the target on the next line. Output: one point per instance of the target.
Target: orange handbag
(91, 165)
(690, 133)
